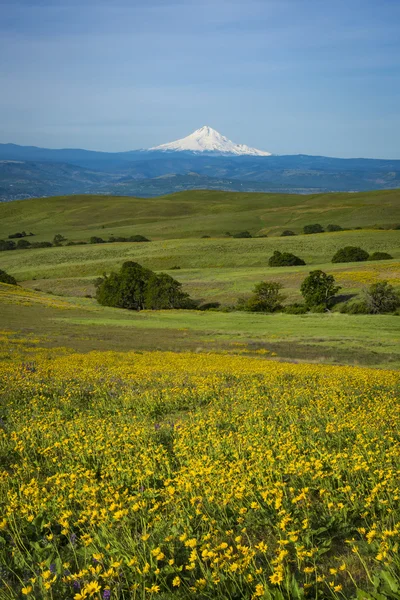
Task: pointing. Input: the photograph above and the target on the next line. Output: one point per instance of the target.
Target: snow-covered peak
(206, 139)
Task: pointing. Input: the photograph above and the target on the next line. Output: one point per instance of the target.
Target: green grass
(83, 325)
(216, 269)
(211, 269)
(195, 213)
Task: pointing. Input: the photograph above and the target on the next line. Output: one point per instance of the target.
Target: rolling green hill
(195, 213)
(218, 268)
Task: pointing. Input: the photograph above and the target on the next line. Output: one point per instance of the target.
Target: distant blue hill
(28, 171)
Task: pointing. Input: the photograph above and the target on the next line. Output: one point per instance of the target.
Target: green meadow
(217, 268)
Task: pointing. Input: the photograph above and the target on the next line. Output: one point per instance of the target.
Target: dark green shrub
(58, 238)
(7, 245)
(96, 240)
(21, 234)
(284, 259)
(242, 234)
(350, 254)
(266, 297)
(203, 237)
(41, 245)
(381, 297)
(315, 228)
(319, 289)
(21, 244)
(287, 232)
(138, 238)
(380, 256)
(334, 228)
(295, 309)
(6, 278)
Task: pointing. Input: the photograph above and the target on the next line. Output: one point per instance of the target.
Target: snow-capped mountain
(207, 140)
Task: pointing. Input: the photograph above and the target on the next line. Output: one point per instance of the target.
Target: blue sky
(287, 76)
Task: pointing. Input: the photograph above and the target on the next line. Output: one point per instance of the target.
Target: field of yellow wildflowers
(166, 475)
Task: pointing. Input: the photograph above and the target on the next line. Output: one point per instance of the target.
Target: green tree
(334, 228)
(242, 234)
(315, 228)
(284, 259)
(21, 244)
(287, 232)
(266, 297)
(319, 289)
(138, 288)
(380, 256)
(350, 254)
(58, 238)
(381, 297)
(163, 292)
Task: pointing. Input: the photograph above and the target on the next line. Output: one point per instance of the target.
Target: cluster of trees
(19, 234)
(318, 290)
(346, 254)
(137, 288)
(23, 244)
(356, 254)
(318, 228)
(319, 294)
(314, 228)
(133, 238)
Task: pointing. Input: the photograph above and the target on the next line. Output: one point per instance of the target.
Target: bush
(296, 309)
(287, 232)
(23, 244)
(381, 297)
(334, 228)
(284, 259)
(266, 297)
(21, 234)
(96, 240)
(355, 308)
(7, 245)
(316, 228)
(350, 254)
(6, 278)
(138, 238)
(58, 238)
(41, 245)
(380, 256)
(319, 289)
(242, 234)
(138, 288)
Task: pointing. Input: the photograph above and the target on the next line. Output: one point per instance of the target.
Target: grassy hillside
(219, 269)
(195, 213)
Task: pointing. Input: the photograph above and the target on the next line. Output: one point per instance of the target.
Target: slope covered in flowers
(197, 476)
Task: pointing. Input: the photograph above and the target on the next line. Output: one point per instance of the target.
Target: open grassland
(164, 475)
(195, 213)
(210, 269)
(29, 318)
